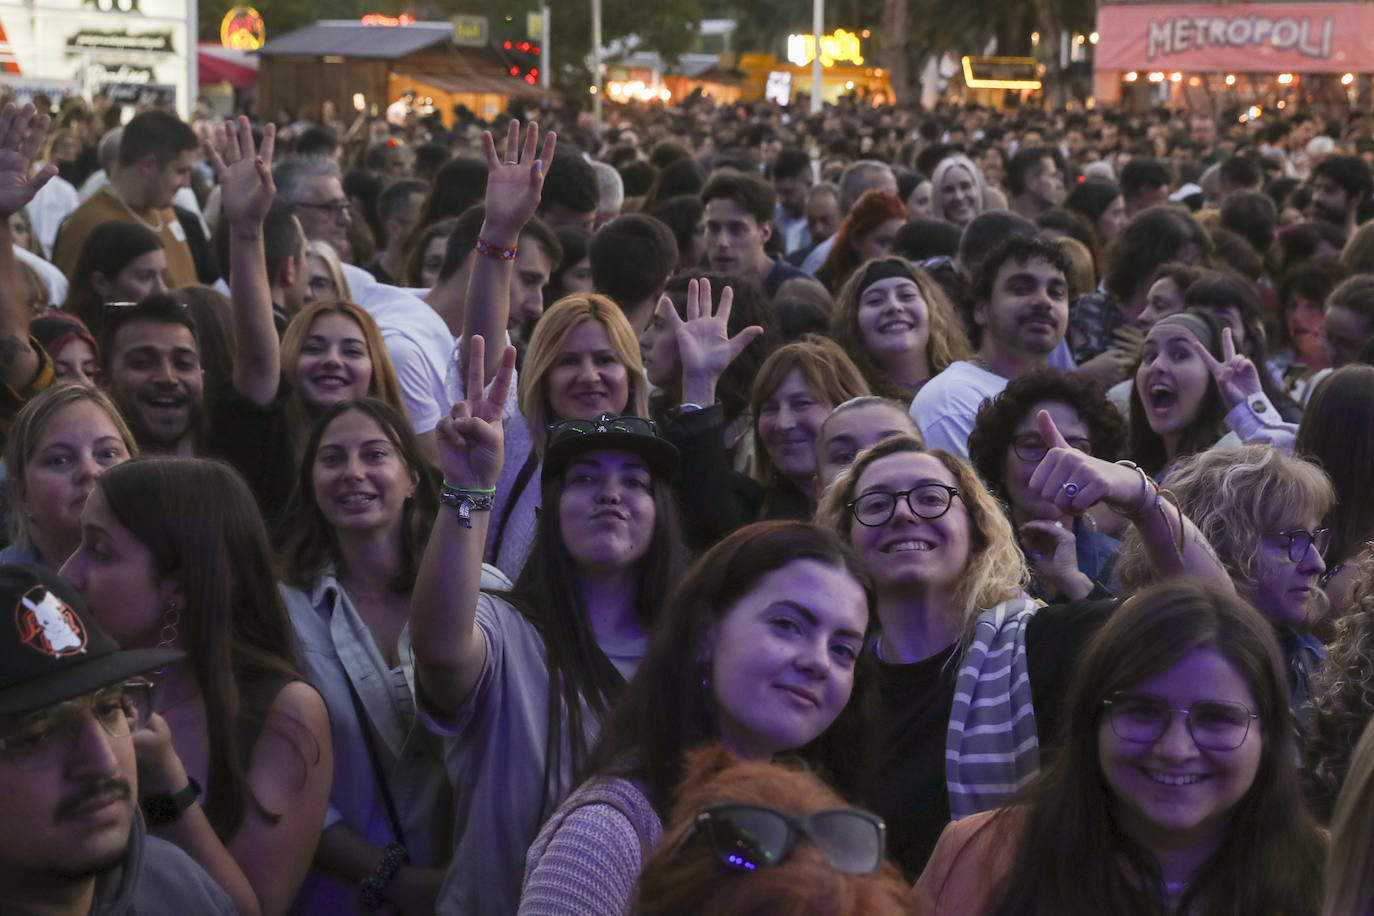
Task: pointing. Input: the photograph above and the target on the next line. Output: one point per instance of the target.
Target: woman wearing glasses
(1068, 557)
(967, 669)
(757, 649)
(1176, 790)
(520, 680)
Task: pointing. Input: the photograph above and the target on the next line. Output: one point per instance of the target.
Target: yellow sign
(1001, 72)
(841, 46)
(242, 29)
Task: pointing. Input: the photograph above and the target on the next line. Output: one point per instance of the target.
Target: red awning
(218, 64)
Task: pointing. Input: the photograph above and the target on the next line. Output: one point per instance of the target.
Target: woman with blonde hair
(333, 351)
(955, 727)
(895, 323)
(583, 361)
(327, 279)
(1350, 861)
(960, 192)
(61, 442)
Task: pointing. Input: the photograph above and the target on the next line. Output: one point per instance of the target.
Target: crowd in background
(729, 509)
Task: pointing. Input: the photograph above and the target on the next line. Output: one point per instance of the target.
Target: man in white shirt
(1022, 313)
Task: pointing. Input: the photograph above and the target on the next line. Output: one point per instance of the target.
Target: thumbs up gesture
(1075, 481)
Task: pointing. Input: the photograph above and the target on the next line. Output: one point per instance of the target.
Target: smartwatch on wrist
(165, 808)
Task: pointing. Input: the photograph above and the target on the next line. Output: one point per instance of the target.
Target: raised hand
(1236, 376)
(244, 174)
(21, 134)
(514, 184)
(1075, 481)
(704, 345)
(472, 444)
(1052, 552)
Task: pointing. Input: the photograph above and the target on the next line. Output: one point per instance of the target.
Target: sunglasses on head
(634, 425)
(750, 837)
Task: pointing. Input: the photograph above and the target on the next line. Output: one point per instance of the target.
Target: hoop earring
(168, 636)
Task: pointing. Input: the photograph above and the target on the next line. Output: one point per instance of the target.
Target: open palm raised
(21, 134)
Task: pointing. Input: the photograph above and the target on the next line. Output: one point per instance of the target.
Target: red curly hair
(868, 213)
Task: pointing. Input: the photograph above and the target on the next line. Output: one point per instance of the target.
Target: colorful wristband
(499, 252)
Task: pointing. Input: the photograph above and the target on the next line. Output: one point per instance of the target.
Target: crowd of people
(725, 511)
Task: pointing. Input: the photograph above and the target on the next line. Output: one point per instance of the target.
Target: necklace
(110, 189)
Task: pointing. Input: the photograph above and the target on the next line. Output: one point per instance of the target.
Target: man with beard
(1035, 181)
(1021, 312)
(1339, 185)
(72, 838)
(152, 370)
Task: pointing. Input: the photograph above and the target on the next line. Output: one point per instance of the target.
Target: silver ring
(1071, 489)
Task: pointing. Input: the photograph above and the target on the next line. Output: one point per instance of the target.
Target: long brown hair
(1073, 859)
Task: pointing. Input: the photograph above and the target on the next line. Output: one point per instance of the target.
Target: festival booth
(374, 61)
(1203, 57)
(843, 70)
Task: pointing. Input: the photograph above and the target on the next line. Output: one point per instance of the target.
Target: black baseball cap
(636, 435)
(51, 649)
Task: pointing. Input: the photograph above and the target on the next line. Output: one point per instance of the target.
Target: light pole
(596, 66)
(817, 25)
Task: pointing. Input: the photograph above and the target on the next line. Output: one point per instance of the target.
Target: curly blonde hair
(947, 343)
(1236, 497)
(996, 569)
(1342, 700)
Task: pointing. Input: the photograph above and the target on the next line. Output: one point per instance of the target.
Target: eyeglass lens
(1213, 724)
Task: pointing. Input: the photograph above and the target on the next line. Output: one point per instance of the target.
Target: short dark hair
(631, 257)
(391, 203)
(1092, 197)
(790, 163)
(637, 177)
(160, 133)
(1239, 172)
(1352, 173)
(159, 308)
(1253, 216)
(1020, 249)
(681, 214)
(543, 236)
(986, 231)
(1026, 161)
(282, 238)
(571, 182)
(1139, 174)
(755, 195)
(317, 141)
(923, 238)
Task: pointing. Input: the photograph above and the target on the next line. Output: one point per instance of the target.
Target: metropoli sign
(1250, 37)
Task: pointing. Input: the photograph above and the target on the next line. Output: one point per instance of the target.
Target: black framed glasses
(927, 501)
(1216, 725)
(1032, 447)
(41, 739)
(604, 424)
(1297, 542)
(335, 208)
(750, 837)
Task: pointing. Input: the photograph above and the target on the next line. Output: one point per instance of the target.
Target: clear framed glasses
(335, 208)
(750, 837)
(927, 501)
(1297, 542)
(41, 739)
(1032, 447)
(1216, 725)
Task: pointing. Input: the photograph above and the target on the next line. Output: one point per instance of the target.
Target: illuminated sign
(843, 45)
(1001, 72)
(242, 29)
(469, 31)
(148, 42)
(379, 19)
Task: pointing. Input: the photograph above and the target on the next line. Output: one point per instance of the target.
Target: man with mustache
(72, 838)
(1021, 312)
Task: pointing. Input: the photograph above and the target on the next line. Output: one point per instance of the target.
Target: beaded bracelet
(374, 884)
(499, 252)
(465, 499)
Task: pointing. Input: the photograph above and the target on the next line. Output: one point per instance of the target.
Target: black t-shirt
(909, 707)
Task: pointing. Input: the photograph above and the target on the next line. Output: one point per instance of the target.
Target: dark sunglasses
(750, 837)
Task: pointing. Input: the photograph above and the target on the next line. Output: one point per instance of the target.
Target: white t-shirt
(947, 405)
(54, 278)
(417, 340)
